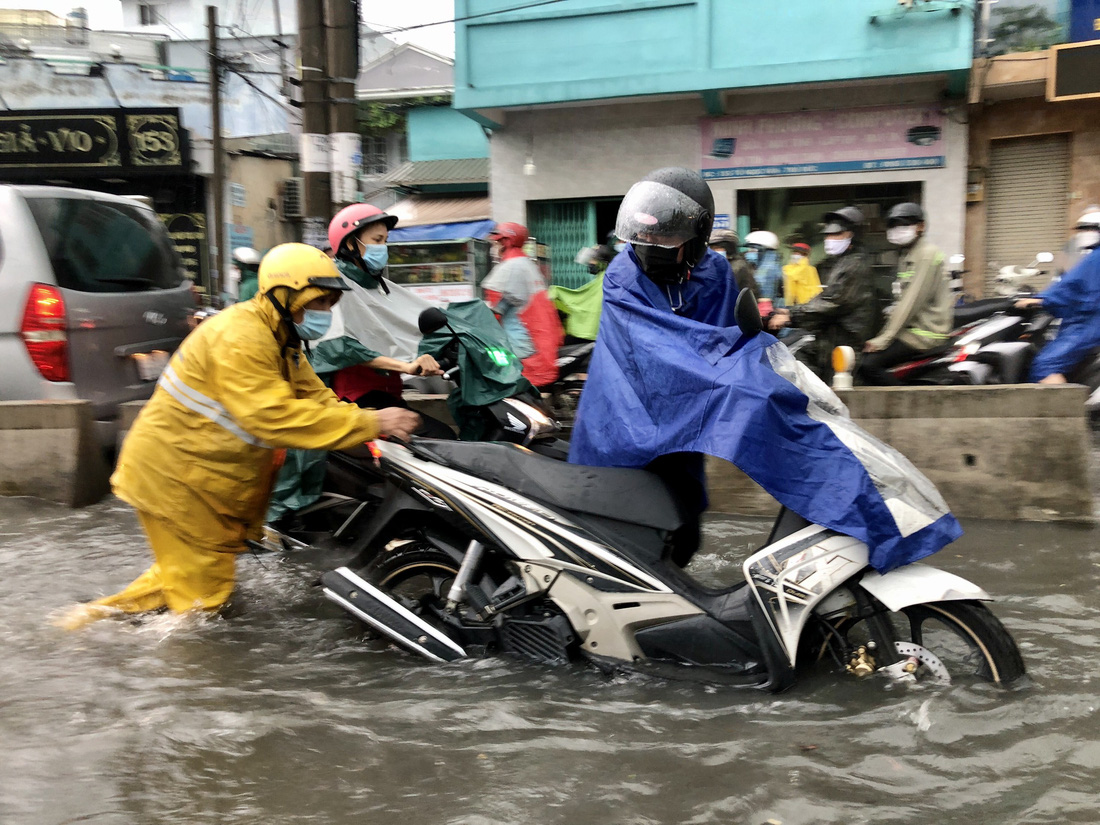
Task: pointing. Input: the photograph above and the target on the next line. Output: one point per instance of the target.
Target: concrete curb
(1017, 453)
(48, 449)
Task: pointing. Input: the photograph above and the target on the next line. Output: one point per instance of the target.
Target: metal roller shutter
(1026, 211)
(567, 227)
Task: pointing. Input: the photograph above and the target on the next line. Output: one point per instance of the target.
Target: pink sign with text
(808, 143)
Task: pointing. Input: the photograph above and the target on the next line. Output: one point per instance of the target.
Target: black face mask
(660, 264)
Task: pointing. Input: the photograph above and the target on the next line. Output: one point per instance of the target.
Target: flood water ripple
(281, 711)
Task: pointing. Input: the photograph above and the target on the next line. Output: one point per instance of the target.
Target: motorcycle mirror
(747, 313)
(1044, 258)
(431, 320)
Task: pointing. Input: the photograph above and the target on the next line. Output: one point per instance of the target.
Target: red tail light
(44, 332)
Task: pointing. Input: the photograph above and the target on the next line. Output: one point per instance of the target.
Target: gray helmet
(842, 220)
(905, 214)
(724, 237)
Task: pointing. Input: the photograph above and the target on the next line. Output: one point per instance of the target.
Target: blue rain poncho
(1075, 298)
(663, 383)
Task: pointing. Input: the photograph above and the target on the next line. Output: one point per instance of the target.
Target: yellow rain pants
(199, 461)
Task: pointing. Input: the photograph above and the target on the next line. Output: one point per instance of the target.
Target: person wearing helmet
(726, 243)
(198, 463)
(579, 308)
(516, 291)
(845, 312)
(663, 294)
(922, 313)
(361, 374)
(762, 251)
(1075, 298)
(247, 261)
(800, 278)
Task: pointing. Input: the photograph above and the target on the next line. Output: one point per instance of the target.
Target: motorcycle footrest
(388, 616)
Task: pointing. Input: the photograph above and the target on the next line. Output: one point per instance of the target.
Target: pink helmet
(353, 218)
(509, 235)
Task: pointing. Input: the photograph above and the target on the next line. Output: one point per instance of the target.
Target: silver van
(93, 299)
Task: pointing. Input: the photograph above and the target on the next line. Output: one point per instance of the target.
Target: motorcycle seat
(977, 310)
(634, 496)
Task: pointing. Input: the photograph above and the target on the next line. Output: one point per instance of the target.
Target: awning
(435, 219)
(414, 173)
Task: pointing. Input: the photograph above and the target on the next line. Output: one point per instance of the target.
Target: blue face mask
(315, 324)
(751, 256)
(376, 256)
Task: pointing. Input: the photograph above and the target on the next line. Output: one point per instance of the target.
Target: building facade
(789, 111)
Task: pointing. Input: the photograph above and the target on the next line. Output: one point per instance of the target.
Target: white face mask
(901, 235)
(1089, 239)
(797, 259)
(837, 246)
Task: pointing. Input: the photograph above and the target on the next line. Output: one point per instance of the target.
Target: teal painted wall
(442, 133)
(595, 49)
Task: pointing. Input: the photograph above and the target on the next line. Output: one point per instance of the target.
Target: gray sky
(107, 14)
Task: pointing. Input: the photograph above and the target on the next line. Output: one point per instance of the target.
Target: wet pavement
(282, 712)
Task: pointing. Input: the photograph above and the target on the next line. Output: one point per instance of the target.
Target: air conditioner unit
(291, 198)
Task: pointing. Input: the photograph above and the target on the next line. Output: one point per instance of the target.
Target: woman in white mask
(920, 317)
(845, 312)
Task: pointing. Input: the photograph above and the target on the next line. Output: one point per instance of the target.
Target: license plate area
(150, 364)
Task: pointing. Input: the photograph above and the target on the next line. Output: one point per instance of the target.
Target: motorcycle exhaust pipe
(390, 618)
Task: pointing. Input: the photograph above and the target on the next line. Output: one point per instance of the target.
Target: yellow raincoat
(800, 282)
(199, 461)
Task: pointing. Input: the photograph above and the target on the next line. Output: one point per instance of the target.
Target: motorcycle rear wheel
(964, 635)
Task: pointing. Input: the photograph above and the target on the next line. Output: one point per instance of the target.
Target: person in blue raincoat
(1075, 298)
(673, 379)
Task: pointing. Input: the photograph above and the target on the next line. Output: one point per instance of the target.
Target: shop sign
(239, 235)
(882, 138)
(93, 141)
(188, 233)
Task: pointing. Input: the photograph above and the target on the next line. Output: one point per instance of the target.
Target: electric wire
(379, 33)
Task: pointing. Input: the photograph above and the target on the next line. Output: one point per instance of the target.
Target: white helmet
(762, 238)
(246, 255)
(1090, 218)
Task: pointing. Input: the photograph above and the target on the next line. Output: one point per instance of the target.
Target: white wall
(598, 151)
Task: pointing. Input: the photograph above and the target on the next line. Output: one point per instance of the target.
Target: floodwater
(282, 712)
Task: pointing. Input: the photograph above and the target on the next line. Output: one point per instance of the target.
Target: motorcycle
(353, 488)
(490, 548)
(565, 393)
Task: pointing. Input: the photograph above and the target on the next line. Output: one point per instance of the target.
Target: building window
(148, 14)
(375, 155)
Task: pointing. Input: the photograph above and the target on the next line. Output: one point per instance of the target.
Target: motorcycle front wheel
(962, 636)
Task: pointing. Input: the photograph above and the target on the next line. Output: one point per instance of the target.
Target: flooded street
(281, 711)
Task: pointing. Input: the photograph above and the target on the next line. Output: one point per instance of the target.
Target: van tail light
(44, 332)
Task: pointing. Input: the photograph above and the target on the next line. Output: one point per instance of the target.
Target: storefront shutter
(1026, 206)
(567, 227)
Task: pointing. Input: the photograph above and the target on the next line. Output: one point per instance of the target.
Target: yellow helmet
(298, 266)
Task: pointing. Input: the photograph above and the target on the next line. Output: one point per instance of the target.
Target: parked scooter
(487, 547)
(565, 393)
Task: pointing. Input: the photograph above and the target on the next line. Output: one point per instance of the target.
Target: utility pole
(342, 17)
(282, 47)
(218, 184)
(314, 147)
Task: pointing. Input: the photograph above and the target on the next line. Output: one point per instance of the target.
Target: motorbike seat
(977, 310)
(634, 496)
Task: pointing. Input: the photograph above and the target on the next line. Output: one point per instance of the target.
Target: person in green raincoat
(580, 308)
(247, 261)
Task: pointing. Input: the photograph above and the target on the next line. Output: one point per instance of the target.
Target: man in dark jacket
(726, 243)
(845, 312)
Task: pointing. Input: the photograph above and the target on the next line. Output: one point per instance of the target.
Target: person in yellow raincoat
(800, 278)
(198, 463)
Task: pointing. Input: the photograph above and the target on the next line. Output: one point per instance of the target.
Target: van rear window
(96, 246)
